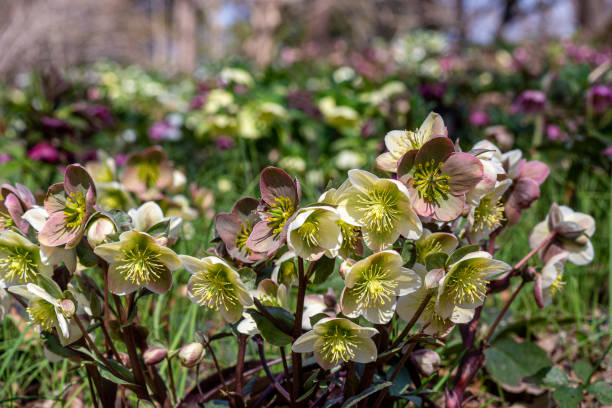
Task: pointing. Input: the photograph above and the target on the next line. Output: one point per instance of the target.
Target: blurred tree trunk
(159, 33)
(318, 21)
(214, 30)
(461, 22)
(185, 35)
(265, 18)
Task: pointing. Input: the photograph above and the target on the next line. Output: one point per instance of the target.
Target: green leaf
(437, 260)
(366, 393)
(461, 252)
(508, 361)
(49, 286)
(86, 255)
(268, 329)
(322, 269)
(314, 319)
(568, 397)
(161, 227)
(601, 391)
(408, 253)
(53, 344)
(583, 370)
(248, 277)
(552, 377)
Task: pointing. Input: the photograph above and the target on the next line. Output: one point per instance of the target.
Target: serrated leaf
(322, 269)
(437, 260)
(366, 393)
(601, 391)
(568, 397)
(248, 277)
(583, 370)
(461, 252)
(508, 361)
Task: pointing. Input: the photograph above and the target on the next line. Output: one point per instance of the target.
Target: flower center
(338, 344)
(141, 265)
(466, 285)
(488, 214)
(148, 172)
(243, 236)
(350, 235)
(380, 209)
(279, 212)
(42, 313)
(428, 247)
(74, 210)
(432, 317)
(309, 231)
(213, 288)
(430, 184)
(409, 141)
(374, 287)
(6, 221)
(557, 285)
(19, 264)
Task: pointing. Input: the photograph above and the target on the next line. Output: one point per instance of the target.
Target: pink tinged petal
(165, 175)
(162, 284)
(77, 179)
(387, 162)
(422, 207)
(275, 182)
(262, 239)
(437, 149)
(117, 284)
(464, 170)
(15, 210)
(405, 164)
(449, 208)
(55, 233)
(244, 207)
(228, 226)
(55, 200)
(537, 292)
(25, 195)
(535, 170)
(131, 181)
(525, 192)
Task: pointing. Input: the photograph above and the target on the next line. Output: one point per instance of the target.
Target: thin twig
(242, 343)
(413, 320)
(502, 313)
(296, 358)
(267, 314)
(264, 363)
(172, 384)
(401, 363)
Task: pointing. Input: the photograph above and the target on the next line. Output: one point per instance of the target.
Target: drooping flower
(216, 285)
(20, 260)
(147, 173)
(235, 227)
(465, 283)
(281, 197)
(337, 340)
(50, 308)
(137, 261)
(381, 207)
(373, 284)
(431, 243)
(399, 142)
(14, 202)
(573, 233)
(488, 214)
(438, 178)
(550, 281)
(69, 205)
(313, 231)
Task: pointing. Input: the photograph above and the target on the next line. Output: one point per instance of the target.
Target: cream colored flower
(313, 231)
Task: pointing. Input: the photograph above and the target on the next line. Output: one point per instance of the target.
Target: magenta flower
(479, 118)
(530, 101)
(600, 97)
(69, 205)
(14, 202)
(280, 199)
(438, 178)
(5, 158)
(44, 152)
(235, 227)
(147, 173)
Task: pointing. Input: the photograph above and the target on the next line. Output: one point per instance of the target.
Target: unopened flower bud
(426, 361)
(154, 355)
(191, 354)
(345, 266)
(555, 216)
(99, 231)
(68, 308)
(529, 273)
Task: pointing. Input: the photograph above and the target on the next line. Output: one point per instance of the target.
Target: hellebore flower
(530, 102)
(137, 261)
(216, 285)
(573, 230)
(20, 260)
(431, 243)
(104, 170)
(100, 230)
(488, 214)
(381, 207)
(69, 205)
(269, 293)
(150, 215)
(191, 354)
(281, 197)
(336, 340)
(44, 152)
(399, 142)
(465, 284)
(313, 231)
(113, 196)
(51, 309)
(526, 177)
(426, 361)
(14, 201)
(600, 97)
(550, 281)
(316, 304)
(438, 178)
(147, 173)
(50, 255)
(490, 157)
(235, 227)
(373, 284)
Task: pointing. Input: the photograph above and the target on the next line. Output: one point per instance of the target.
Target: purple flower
(225, 142)
(55, 124)
(14, 202)
(5, 158)
(530, 101)
(235, 227)
(44, 152)
(432, 91)
(479, 118)
(158, 131)
(554, 133)
(608, 151)
(600, 97)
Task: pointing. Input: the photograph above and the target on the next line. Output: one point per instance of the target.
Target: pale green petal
(408, 282)
(361, 179)
(304, 343)
(380, 314)
(365, 351)
(538, 234)
(110, 252)
(192, 264)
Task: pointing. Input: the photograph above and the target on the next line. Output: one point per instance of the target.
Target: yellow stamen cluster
(213, 288)
(74, 210)
(431, 316)
(430, 184)
(557, 285)
(279, 212)
(409, 141)
(350, 235)
(141, 265)
(243, 236)
(374, 287)
(380, 209)
(488, 214)
(6, 221)
(309, 231)
(18, 264)
(338, 344)
(428, 247)
(467, 284)
(42, 313)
